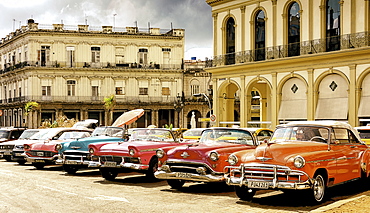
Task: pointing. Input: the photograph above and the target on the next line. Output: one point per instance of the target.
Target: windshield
(73, 135)
(364, 133)
(301, 133)
(193, 132)
(4, 134)
(151, 135)
(108, 131)
(28, 133)
(227, 135)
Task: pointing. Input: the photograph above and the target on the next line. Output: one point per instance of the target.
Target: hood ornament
(263, 159)
(184, 155)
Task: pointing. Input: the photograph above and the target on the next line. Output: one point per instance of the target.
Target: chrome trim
(194, 177)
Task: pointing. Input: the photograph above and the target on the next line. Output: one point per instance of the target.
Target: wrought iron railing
(333, 43)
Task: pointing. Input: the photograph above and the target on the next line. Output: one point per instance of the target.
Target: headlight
(26, 146)
(91, 151)
(213, 156)
(58, 146)
(299, 162)
(131, 152)
(232, 160)
(160, 153)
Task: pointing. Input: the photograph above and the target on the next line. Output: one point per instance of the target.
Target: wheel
(38, 165)
(318, 139)
(21, 162)
(70, 169)
(319, 189)
(8, 158)
(108, 174)
(153, 167)
(244, 193)
(176, 184)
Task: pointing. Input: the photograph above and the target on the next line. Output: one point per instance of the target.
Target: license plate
(71, 162)
(7, 153)
(258, 184)
(39, 161)
(110, 164)
(40, 154)
(18, 154)
(183, 175)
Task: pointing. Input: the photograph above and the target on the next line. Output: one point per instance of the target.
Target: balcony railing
(100, 65)
(334, 43)
(91, 99)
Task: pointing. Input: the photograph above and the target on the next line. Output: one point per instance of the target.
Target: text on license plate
(110, 164)
(183, 175)
(258, 184)
(71, 162)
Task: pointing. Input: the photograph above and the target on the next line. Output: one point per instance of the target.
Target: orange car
(310, 155)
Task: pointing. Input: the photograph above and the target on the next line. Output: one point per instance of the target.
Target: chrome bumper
(189, 176)
(72, 162)
(133, 166)
(40, 159)
(250, 175)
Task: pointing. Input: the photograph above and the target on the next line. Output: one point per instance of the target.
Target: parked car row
(299, 156)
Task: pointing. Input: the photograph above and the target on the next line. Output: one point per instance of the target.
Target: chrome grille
(187, 167)
(118, 159)
(7, 147)
(45, 153)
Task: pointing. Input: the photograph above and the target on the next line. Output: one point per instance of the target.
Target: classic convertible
(203, 161)
(306, 155)
(137, 154)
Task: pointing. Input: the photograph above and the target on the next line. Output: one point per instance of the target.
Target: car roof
(335, 124)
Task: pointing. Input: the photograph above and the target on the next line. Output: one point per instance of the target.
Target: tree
(109, 104)
(31, 106)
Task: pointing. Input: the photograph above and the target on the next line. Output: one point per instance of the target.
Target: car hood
(201, 150)
(82, 144)
(280, 152)
(139, 145)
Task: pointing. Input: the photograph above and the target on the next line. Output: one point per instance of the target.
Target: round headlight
(160, 153)
(58, 146)
(91, 151)
(299, 162)
(213, 156)
(131, 152)
(232, 160)
(26, 146)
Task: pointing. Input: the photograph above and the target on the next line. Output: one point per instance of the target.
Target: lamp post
(178, 106)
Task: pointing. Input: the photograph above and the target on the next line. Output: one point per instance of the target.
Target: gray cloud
(192, 15)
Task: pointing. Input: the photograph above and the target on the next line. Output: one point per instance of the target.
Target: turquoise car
(74, 155)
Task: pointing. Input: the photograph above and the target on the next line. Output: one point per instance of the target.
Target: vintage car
(364, 132)
(192, 134)
(46, 151)
(74, 155)
(138, 154)
(306, 155)
(261, 134)
(203, 161)
(10, 133)
(6, 148)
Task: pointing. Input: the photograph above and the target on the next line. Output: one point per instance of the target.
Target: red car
(139, 153)
(47, 152)
(203, 161)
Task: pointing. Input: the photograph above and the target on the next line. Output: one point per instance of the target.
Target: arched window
(294, 29)
(332, 25)
(260, 39)
(230, 41)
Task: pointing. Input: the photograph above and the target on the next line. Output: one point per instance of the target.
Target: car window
(227, 135)
(155, 135)
(364, 133)
(341, 136)
(4, 134)
(301, 133)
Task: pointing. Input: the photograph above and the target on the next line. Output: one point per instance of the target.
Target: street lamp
(178, 106)
(206, 97)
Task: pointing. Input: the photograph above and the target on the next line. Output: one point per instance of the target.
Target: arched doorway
(228, 101)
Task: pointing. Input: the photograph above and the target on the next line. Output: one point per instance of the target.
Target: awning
(293, 109)
(332, 108)
(364, 109)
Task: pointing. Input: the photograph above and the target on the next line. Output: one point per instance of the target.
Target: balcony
(101, 65)
(330, 44)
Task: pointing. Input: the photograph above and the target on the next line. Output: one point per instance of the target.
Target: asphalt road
(25, 189)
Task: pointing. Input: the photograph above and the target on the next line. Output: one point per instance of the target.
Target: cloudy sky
(192, 15)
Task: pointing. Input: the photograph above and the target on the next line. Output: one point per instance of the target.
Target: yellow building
(69, 70)
(302, 59)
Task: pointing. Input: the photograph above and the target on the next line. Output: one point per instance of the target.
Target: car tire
(8, 158)
(21, 162)
(318, 189)
(176, 184)
(244, 193)
(39, 165)
(70, 169)
(153, 167)
(108, 174)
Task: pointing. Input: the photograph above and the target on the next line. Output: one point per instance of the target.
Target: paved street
(25, 189)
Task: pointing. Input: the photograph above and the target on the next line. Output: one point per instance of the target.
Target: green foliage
(110, 102)
(31, 106)
(168, 126)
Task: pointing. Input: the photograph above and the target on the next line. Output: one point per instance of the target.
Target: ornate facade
(302, 60)
(69, 70)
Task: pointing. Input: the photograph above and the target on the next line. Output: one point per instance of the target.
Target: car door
(348, 154)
